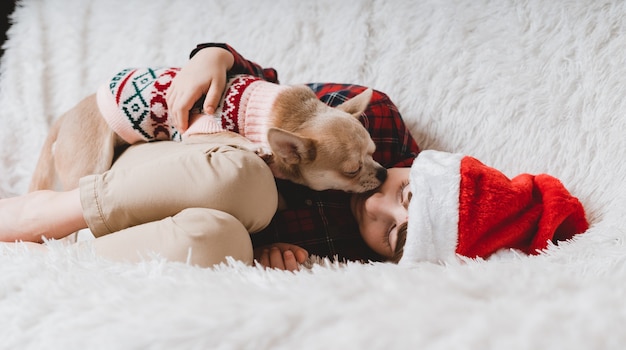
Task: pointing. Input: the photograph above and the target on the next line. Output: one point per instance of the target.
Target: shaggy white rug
(524, 85)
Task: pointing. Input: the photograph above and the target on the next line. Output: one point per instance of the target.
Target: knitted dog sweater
(133, 104)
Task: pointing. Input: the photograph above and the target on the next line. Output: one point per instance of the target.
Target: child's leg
(40, 214)
(198, 236)
(202, 237)
(158, 180)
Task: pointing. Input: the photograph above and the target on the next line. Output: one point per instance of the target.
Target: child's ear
(357, 104)
(290, 147)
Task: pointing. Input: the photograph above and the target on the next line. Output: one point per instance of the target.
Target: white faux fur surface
(524, 85)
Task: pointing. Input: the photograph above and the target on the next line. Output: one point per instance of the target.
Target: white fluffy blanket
(524, 85)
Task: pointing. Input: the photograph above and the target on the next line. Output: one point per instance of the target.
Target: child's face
(381, 212)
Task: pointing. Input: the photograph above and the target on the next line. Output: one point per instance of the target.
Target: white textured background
(525, 86)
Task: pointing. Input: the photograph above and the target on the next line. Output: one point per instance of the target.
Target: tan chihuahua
(301, 138)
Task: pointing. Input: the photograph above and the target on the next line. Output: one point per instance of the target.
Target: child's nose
(401, 215)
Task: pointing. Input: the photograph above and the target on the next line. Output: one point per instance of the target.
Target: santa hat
(460, 207)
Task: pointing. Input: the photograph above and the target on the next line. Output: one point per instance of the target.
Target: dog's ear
(357, 104)
(292, 148)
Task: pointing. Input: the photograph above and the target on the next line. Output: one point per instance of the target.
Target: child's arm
(241, 65)
(205, 73)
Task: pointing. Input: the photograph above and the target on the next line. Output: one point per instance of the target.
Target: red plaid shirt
(322, 222)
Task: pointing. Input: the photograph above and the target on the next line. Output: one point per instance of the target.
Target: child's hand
(205, 73)
(282, 256)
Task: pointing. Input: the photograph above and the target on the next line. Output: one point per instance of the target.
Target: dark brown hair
(399, 251)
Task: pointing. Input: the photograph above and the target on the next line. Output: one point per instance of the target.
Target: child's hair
(399, 251)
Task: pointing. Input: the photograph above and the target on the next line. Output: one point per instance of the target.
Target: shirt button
(308, 202)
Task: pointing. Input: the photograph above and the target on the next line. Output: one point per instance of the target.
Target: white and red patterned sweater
(133, 104)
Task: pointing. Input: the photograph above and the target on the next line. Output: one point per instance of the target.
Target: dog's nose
(381, 174)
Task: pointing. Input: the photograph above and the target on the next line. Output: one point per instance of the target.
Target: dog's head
(330, 150)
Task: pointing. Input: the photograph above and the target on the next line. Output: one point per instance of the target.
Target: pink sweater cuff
(259, 102)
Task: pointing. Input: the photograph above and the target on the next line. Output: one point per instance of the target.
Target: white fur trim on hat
(434, 208)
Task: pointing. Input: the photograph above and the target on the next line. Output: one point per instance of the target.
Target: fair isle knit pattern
(133, 104)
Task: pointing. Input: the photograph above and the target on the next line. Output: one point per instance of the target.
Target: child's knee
(250, 189)
(249, 170)
(214, 235)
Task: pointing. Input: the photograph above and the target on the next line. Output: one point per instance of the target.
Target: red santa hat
(460, 207)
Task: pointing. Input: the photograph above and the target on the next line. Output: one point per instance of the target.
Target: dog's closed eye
(354, 171)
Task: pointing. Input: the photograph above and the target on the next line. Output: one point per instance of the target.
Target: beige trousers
(194, 201)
